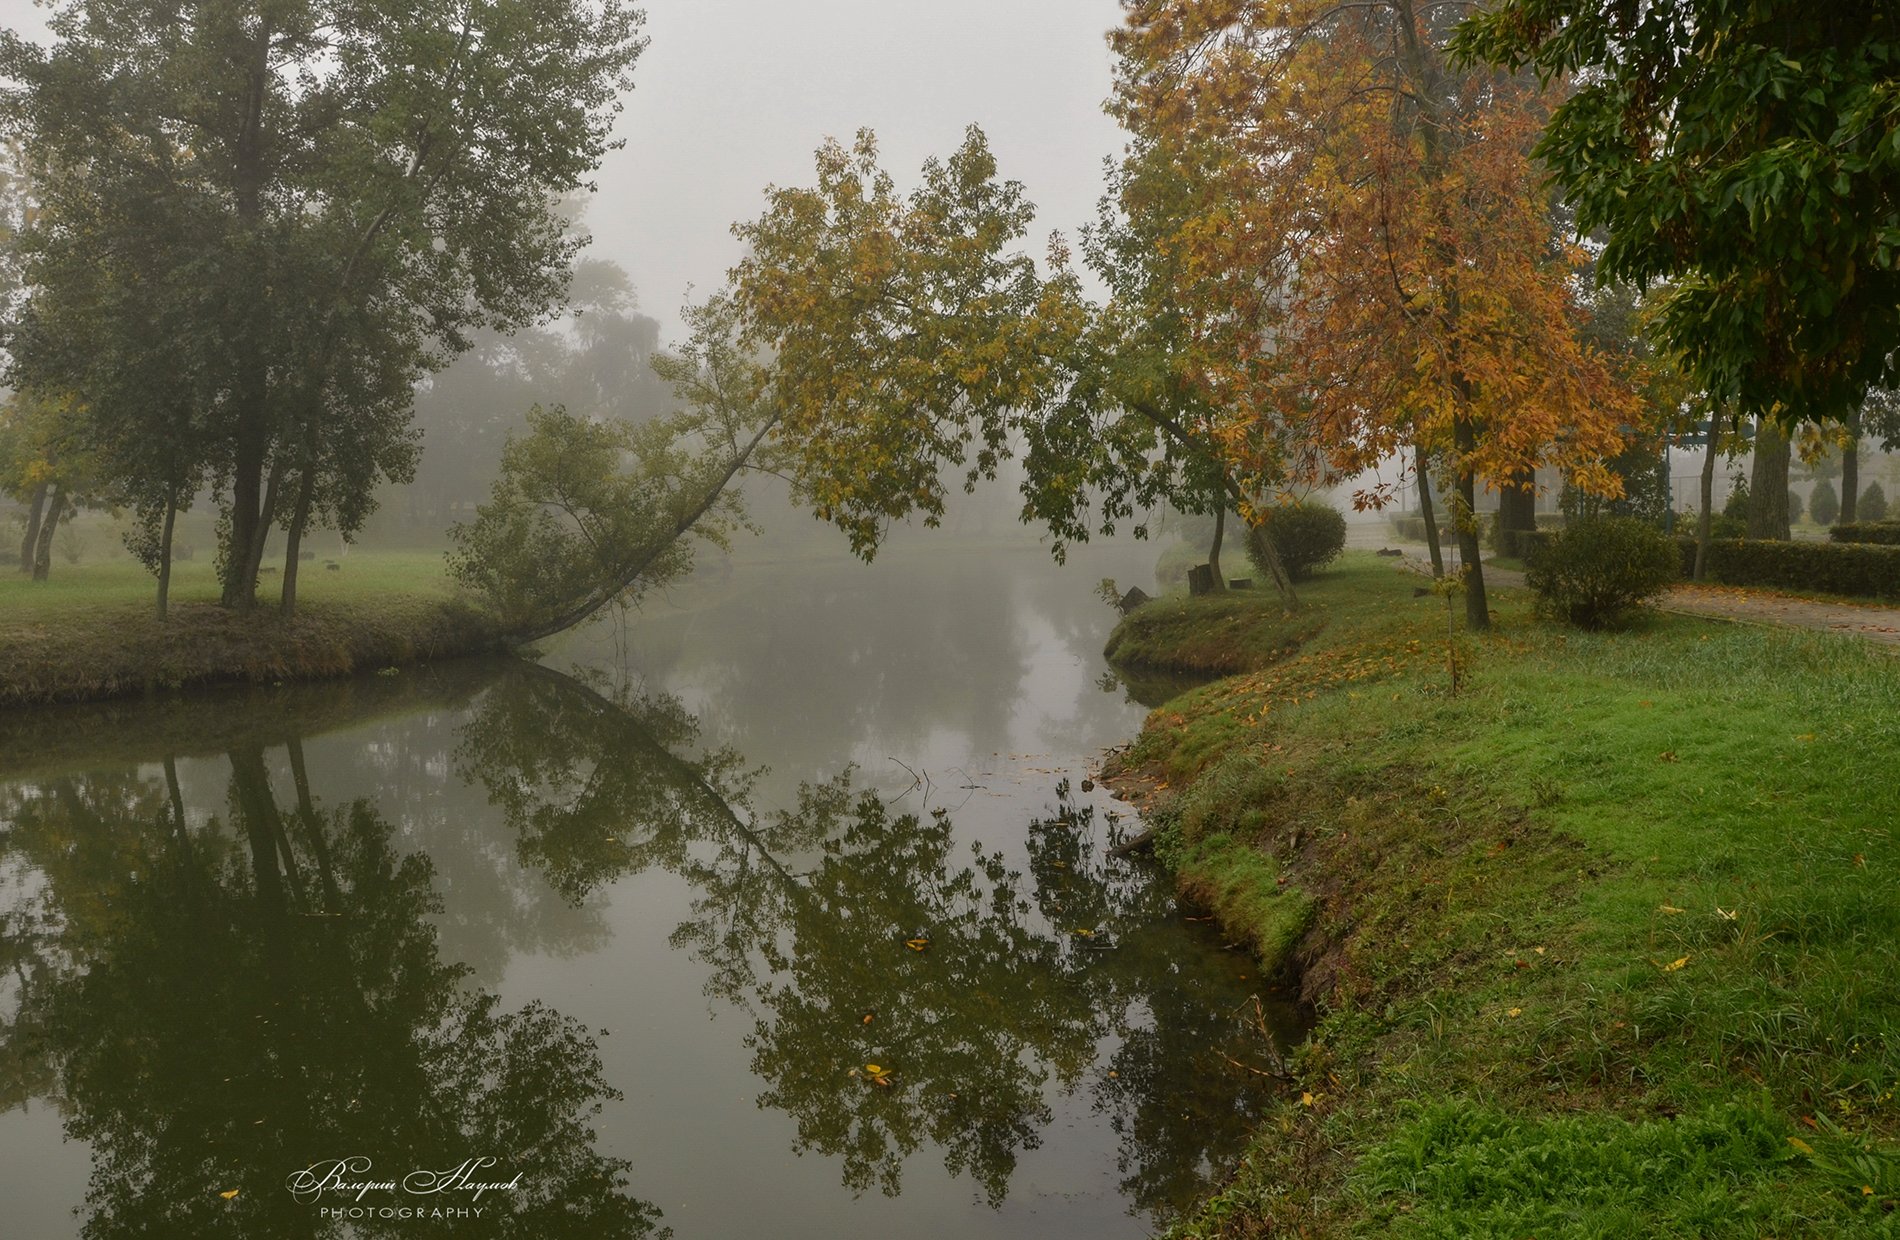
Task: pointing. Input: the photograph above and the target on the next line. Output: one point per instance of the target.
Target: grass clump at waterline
(91, 632)
(1605, 943)
(1216, 635)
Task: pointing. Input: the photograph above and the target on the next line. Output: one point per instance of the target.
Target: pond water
(779, 911)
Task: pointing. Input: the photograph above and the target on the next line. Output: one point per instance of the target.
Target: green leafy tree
(1873, 503)
(591, 513)
(1741, 156)
(329, 196)
(1823, 503)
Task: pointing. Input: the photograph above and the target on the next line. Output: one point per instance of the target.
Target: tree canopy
(1744, 154)
(297, 208)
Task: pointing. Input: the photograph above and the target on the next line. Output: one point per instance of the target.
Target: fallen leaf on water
(917, 945)
(228, 1195)
(873, 1069)
(867, 1018)
(1083, 932)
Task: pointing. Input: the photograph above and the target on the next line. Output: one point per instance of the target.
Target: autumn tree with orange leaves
(1373, 265)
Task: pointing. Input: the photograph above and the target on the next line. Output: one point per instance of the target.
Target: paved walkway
(1875, 622)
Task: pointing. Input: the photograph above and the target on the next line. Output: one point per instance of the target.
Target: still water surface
(636, 922)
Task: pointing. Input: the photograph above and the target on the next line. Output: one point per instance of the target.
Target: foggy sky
(734, 94)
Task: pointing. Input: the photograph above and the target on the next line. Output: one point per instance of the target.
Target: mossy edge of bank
(1572, 980)
(116, 651)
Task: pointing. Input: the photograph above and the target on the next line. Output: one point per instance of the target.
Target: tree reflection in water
(213, 1007)
(857, 935)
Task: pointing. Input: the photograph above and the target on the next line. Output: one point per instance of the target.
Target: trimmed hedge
(1412, 529)
(1868, 570)
(1887, 532)
(1865, 568)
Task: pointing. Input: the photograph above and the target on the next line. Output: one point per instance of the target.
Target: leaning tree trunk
(43, 549)
(1705, 524)
(165, 555)
(293, 543)
(1477, 607)
(1768, 484)
(1850, 472)
(34, 512)
(1213, 551)
(1427, 511)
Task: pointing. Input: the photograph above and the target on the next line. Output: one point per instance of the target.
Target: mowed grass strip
(1605, 943)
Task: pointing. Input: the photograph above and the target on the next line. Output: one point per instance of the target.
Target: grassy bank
(1604, 943)
(90, 632)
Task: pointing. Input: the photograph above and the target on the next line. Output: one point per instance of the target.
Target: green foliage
(1873, 503)
(260, 226)
(1643, 469)
(903, 329)
(1595, 573)
(1307, 535)
(1887, 532)
(591, 512)
(1824, 503)
(564, 516)
(1794, 506)
(1740, 156)
(1857, 569)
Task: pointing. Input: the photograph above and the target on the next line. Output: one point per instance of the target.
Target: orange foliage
(1364, 255)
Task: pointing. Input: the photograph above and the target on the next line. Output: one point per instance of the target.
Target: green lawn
(1607, 942)
(90, 630)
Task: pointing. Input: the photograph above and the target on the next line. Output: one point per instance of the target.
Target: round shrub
(1794, 507)
(1307, 536)
(1596, 573)
(1873, 504)
(1824, 505)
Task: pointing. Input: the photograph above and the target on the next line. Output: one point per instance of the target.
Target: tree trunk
(293, 542)
(1850, 472)
(1213, 552)
(165, 556)
(1705, 524)
(1517, 509)
(34, 512)
(1768, 484)
(247, 504)
(1426, 510)
(1477, 607)
(43, 549)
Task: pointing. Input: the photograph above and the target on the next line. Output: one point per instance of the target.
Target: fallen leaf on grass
(1801, 1145)
(1671, 909)
(1675, 964)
